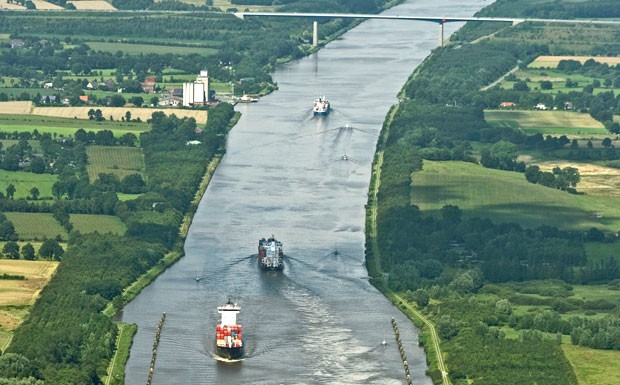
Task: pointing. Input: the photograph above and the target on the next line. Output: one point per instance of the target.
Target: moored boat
(270, 254)
(228, 333)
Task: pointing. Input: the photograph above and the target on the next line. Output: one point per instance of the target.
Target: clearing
(571, 124)
(117, 160)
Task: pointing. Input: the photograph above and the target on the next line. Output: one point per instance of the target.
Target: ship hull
(272, 268)
(229, 353)
(321, 113)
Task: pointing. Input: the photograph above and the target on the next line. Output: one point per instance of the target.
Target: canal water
(319, 321)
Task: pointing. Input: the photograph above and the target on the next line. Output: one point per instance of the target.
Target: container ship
(270, 254)
(228, 336)
(321, 106)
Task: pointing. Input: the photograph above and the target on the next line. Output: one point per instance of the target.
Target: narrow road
(375, 250)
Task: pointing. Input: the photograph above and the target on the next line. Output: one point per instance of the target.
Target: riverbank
(434, 357)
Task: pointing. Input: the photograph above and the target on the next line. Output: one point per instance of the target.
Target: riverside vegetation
(139, 178)
(511, 261)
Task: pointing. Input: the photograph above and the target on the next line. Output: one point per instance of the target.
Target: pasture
(138, 49)
(36, 226)
(17, 294)
(120, 161)
(505, 196)
(544, 61)
(24, 181)
(88, 223)
(593, 366)
(556, 123)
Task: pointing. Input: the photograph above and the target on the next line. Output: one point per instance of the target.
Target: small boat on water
(245, 98)
(321, 106)
(228, 335)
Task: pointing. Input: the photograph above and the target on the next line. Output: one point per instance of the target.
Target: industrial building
(197, 93)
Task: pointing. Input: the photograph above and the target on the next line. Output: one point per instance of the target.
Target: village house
(167, 100)
(148, 86)
(16, 43)
(507, 105)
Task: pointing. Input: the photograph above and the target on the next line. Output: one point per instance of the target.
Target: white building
(196, 93)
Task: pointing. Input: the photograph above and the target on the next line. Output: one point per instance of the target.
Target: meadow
(66, 126)
(120, 161)
(139, 49)
(545, 61)
(505, 196)
(593, 366)
(569, 123)
(36, 226)
(88, 223)
(24, 181)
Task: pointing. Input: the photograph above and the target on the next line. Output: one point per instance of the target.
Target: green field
(120, 161)
(601, 251)
(24, 181)
(507, 197)
(137, 49)
(88, 223)
(35, 144)
(572, 124)
(592, 366)
(66, 126)
(36, 226)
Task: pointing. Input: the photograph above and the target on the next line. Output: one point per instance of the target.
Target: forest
(455, 264)
(67, 338)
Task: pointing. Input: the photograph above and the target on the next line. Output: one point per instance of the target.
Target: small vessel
(270, 254)
(321, 106)
(228, 335)
(245, 98)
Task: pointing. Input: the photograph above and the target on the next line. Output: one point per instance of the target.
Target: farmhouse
(168, 100)
(507, 104)
(148, 86)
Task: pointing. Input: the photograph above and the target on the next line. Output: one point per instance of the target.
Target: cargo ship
(321, 106)
(270, 254)
(228, 335)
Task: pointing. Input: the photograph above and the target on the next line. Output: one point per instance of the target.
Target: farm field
(137, 49)
(595, 179)
(120, 161)
(66, 126)
(36, 226)
(118, 112)
(24, 181)
(506, 196)
(15, 107)
(553, 61)
(533, 77)
(44, 5)
(92, 5)
(571, 124)
(5, 5)
(593, 366)
(19, 293)
(87, 223)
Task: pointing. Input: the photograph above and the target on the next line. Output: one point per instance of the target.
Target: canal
(320, 321)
